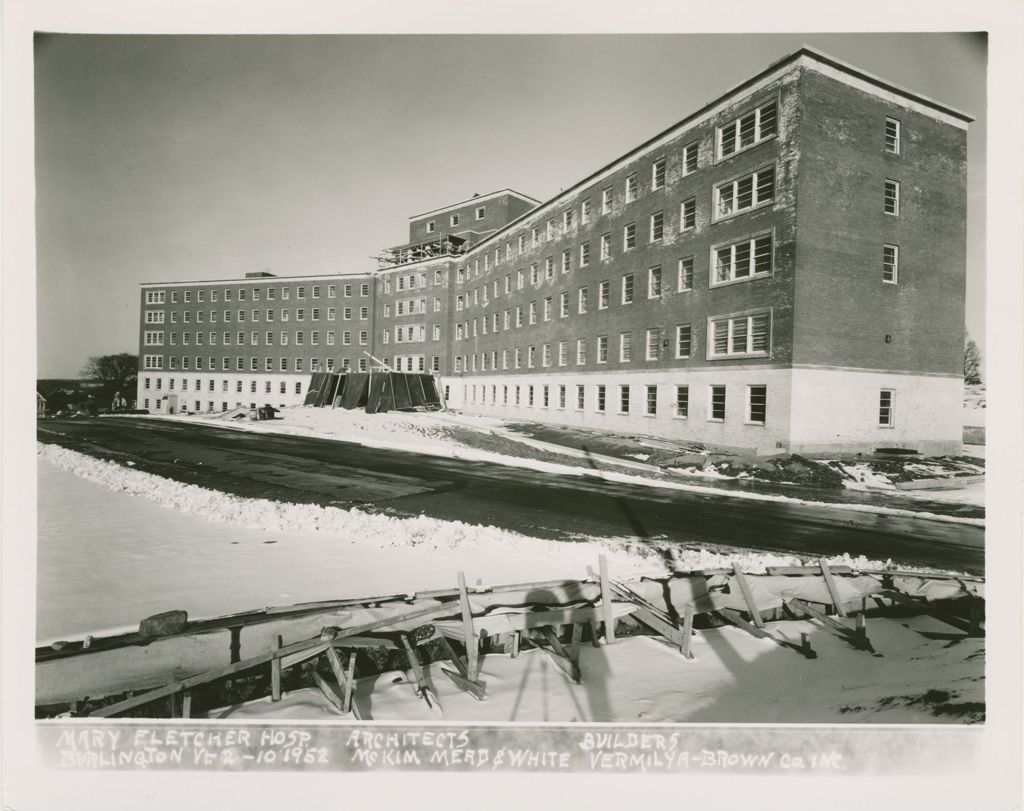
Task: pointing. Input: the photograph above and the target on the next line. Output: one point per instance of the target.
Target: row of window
(270, 293)
(198, 362)
(156, 338)
(557, 396)
(197, 385)
(744, 335)
(479, 213)
(226, 316)
(411, 307)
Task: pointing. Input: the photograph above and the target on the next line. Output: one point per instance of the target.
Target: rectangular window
(564, 305)
(658, 174)
(747, 130)
(566, 260)
(602, 349)
(581, 301)
(549, 267)
(629, 237)
(739, 335)
(531, 357)
(603, 295)
(745, 193)
(716, 405)
(623, 399)
(685, 274)
(606, 246)
(689, 160)
(584, 254)
(654, 282)
(688, 214)
(606, 200)
(585, 211)
(757, 404)
(545, 356)
(632, 187)
(561, 396)
(683, 341)
(652, 344)
(657, 226)
(651, 404)
(567, 219)
(581, 351)
(159, 296)
(600, 398)
(533, 312)
(627, 289)
(563, 353)
(890, 263)
(682, 402)
(625, 347)
(751, 258)
(885, 408)
(892, 197)
(892, 136)
(580, 398)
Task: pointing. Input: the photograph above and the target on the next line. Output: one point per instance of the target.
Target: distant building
(784, 269)
(40, 405)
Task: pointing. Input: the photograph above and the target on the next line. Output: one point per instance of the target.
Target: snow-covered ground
(733, 677)
(116, 545)
(438, 434)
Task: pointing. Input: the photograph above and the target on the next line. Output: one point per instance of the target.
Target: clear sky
(174, 158)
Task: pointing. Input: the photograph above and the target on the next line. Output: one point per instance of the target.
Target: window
(581, 303)
(600, 398)
(431, 226)
(685, 274)
(653, 342)
(533, 312)
(688, 214)
(332, 291)
(567, 219)
(658, 174)
(581, 351)
(654, 282)
(757, 404)
(739, 335)
(566, 260)
(890, 263)
(602, 349)
(885, 408)
(625, 347)
(154, 316)
(606, 200)
(629, 237)
(579, 398)
(547, 308)
(564, 305)
(364, 289)
(545, 355)
(549, 268)
(651, 401)
(603, 294)
(747, 130)
(632, 187)
(585, 211)
(684, 340)
(286, 292)
(892, 136)
(531, 357)
(682, 402)
(748, 259)
(561, 396)
(606, 246)
(154, 339)
(745, 193)
(584, 254)
(716, 409)
(689, 158)
(627, 289)
(300, 292)
(623, 399)
(480, 212)
(364, 313)
(453, 220)
(892, 197)
(534, 274)
(657, 226)
(158, 296)
(563, 355)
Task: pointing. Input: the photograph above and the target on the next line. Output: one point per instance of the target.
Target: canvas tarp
(374, 391)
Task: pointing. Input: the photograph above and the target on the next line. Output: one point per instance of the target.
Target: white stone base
(190, 388)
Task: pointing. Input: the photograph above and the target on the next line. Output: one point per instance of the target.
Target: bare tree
(112, 370)
(972, 363)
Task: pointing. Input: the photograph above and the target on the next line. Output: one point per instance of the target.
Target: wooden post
(414, 665)
(577, 638)
(594, 633)
(275, 670)
(472, 654)
(607, 611)
(741, 581)
(186, 704)
(350, 682)
(687, 630)
(830, 584)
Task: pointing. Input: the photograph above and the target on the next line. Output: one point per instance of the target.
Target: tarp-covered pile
(374, 391)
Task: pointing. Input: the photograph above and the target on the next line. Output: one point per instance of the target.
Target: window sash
(743, 260)
(745, 193)
(741, 335)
